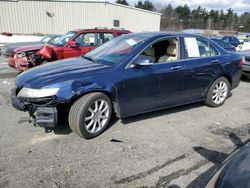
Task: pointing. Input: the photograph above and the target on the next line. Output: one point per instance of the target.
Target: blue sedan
(130, 75)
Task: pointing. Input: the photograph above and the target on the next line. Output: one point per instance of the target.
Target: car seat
(171, 54)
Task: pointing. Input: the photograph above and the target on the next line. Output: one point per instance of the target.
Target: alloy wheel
(220, 92)
(96, 116)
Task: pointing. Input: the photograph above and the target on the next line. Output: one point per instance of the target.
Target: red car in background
(72, 44)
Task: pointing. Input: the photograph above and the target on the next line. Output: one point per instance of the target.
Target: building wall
(28, 17)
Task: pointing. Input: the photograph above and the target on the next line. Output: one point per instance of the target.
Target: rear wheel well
(228, 78)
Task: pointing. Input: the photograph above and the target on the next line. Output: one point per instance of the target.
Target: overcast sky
(237, 5)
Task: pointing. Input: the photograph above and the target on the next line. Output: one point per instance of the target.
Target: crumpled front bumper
(42, 116)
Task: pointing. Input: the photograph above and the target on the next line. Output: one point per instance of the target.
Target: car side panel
(199, 74)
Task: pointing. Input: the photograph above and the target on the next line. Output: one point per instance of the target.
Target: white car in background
(246, 44)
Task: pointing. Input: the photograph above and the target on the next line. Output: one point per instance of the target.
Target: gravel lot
(179, 147)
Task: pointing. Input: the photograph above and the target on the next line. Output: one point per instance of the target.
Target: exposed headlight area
(20, 54)
(37, 93)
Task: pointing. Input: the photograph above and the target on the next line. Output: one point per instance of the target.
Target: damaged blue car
(129, 75)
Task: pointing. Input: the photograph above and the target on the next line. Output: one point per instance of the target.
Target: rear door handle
(176, 67)
(215, 61)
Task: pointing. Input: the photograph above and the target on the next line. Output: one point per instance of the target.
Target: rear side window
(104, 37)
(120, 34)
(198, 48)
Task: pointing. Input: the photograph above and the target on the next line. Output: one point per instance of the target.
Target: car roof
(166, 34)
(102, 29)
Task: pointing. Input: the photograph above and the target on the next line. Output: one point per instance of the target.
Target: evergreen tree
(123, 2)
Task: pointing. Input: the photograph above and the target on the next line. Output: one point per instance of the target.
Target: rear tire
(89, 116)
(218, 92)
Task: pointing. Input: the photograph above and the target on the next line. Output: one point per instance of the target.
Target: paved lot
(179, 147)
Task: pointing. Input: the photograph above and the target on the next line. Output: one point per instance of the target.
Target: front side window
(198, 48)
(86, 39)
(163, 51)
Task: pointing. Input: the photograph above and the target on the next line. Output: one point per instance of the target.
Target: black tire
(78, 112)
(209, 101)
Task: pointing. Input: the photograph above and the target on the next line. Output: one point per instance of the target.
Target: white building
(60, 16)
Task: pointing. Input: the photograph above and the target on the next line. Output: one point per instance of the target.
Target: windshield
(116, 50)
(64, 39)
(53, 40)
(46, 39)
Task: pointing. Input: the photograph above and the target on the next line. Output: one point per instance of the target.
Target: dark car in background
(129, 75)
(72, 44)
(8, 49)
(232, 40)
(234, 172)
(246, 64)
(225, 45)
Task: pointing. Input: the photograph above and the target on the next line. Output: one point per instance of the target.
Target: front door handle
(215, 61)
(176, 67)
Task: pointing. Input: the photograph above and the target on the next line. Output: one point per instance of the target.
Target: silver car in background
(246, 64)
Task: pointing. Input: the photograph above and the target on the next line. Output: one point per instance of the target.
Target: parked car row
(24, 56)
(8, 49)
(72, 44)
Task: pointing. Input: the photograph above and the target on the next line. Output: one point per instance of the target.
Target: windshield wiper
(89, 58)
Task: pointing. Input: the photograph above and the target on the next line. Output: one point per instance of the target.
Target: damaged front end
(26, 60)
(43, 111)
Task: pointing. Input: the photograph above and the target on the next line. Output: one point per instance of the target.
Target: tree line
(183, 17)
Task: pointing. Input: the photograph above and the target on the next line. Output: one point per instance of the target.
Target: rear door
(202, 65)
(85, 43)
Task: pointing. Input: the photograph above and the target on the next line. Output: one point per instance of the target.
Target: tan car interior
(163, 51)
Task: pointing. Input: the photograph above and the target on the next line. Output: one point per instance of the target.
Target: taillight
(242, 61)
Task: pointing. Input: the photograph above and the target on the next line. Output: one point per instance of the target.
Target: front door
(85, 43)
(147, 88)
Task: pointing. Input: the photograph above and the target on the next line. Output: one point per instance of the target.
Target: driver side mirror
(143, 60)
(73, 44)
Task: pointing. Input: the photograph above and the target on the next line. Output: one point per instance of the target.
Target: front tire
(218, 92)
(90, 115)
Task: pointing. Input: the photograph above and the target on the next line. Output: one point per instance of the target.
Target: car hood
(29, 48)
(55, 73)
(12, 46)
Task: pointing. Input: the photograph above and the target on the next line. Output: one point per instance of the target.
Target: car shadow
(161, 113)
(64, 129)
(216, 158)
(245, 80)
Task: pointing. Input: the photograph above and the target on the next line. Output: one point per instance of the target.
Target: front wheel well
(75, 98)
(111, 97)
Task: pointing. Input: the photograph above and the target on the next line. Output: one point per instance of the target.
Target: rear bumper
(46, 117)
